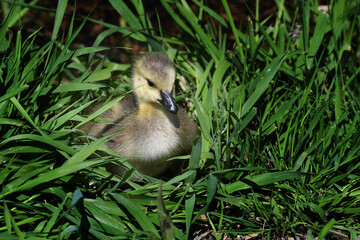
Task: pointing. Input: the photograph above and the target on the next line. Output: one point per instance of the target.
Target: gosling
(149, 127)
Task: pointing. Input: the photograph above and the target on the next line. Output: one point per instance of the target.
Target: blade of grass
(261, 180)
(60, 11)
(261, 83)
(136, 212)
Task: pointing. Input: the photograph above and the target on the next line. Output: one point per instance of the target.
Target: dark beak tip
(169, 102)
(174, 110)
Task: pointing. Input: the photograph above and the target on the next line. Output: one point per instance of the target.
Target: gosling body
(147, 124)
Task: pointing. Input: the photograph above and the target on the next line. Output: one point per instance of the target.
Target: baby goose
(153, 129)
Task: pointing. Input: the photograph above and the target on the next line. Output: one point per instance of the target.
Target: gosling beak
(169, 102)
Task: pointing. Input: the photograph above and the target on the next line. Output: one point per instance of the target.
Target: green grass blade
(189, 15)
(233, 28)
(281, 111)
(51, 175)
(125, 11)
(261, 180)
(177, 19)
(261, 83)
(189, 209)
(102, 109)
(218, 81)
(321, 28)
(60, 11)
(137, 212)
(58, 120)
(326, 229)
(37, 138)
(99, 75)
(82, 155)
(166, 224)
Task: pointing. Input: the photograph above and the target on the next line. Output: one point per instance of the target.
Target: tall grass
(278, 154)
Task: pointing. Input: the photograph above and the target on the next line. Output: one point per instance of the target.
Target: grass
(278, 155)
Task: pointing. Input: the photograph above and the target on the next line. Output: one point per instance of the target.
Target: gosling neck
(156, 111)
(147, 108)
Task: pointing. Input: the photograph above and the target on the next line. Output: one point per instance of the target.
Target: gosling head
(153, 80)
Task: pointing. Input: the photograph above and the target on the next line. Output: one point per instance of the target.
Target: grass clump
(277, 106)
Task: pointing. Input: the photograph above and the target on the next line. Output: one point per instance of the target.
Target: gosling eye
(151, 84)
